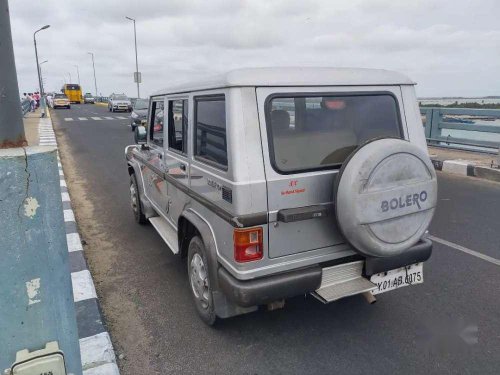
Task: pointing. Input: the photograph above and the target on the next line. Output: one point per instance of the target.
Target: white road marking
(108, 118)
(69, 216)
(65, 197)
(98, 349)
(68, 119)
(96, 118)
(82, 118)
(83, 286)
(74, 242)
(121, 118)
(465, 250)
(62, 183)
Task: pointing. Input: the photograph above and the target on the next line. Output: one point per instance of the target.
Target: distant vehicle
(119, 102)
(73, 92)
(61, 100)
(88, 98)
(139, 112)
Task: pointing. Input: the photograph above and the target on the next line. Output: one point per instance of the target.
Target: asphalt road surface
(448, 325)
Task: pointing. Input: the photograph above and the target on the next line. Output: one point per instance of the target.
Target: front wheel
(135, 201)
(199, 281)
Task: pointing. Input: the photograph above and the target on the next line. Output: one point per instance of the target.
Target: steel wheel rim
(133, 197)
(199, 280)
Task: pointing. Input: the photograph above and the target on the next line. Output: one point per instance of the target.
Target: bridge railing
(462, 128)
(25, 106)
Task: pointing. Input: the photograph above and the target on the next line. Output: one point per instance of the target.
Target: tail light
(248, 244)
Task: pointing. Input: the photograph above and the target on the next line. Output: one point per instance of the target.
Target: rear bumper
(284, 285)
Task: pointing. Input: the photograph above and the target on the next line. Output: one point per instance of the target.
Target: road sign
(137, 77)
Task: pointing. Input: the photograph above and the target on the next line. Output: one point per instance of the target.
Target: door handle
(182, 167)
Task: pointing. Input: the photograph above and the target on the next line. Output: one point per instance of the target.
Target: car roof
(288, 76)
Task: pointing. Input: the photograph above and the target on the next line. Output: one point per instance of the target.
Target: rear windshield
(60, 96)
(141, 104)
(316, 132)
(72, 87)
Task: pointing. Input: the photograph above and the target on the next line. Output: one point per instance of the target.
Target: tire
(135, 201)
(199, 281)
(69, 107)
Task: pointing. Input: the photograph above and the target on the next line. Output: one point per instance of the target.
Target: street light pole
(70, 79)
(78, 73)
(38, 69)
(136, 60)
(41, 76)
(93, 66)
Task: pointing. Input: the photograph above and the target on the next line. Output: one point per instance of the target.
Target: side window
(210, 130)
(178, 125)
(156, 122)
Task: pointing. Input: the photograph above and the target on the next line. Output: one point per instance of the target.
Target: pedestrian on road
(32, 102)
(37, 99)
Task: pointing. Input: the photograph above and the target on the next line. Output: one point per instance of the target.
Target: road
(144, 293)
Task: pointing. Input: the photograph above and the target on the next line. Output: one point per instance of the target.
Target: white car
(119, 102)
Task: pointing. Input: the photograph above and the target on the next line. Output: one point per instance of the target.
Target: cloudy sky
(450, 48)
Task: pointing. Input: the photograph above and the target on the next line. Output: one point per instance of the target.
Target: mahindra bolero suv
(278, 182)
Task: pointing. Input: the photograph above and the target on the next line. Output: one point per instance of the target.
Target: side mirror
(140, 135)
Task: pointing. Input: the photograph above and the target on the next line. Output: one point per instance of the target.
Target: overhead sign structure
(137, 77)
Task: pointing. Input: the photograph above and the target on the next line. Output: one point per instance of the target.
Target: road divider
(96, 349)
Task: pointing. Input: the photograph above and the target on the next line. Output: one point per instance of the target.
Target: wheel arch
(190, 224)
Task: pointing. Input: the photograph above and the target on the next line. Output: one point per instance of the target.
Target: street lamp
(41, 75)
(78, 73)
(93, 65)
(38, 69)
(137, 77)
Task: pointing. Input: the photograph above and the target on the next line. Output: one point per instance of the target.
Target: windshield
(60, 96)
(88, 95)
(120, 97)
(316, 132)
(141, 104)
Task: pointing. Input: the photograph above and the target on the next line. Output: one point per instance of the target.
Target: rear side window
(178, 125)
(210, 130)
(316, 132)
(156, 123)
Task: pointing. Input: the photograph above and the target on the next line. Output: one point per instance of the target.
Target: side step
(342, 281)
(166, 231)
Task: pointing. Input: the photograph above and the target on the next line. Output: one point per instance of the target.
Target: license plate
(398, 278)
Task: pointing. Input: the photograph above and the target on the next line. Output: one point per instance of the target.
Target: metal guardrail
(25, 106)
(462, 128)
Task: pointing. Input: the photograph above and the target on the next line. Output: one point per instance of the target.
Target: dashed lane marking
(96, 118)
(465, 250)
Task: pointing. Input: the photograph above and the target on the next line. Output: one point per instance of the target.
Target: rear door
(176, 156)
(155, 186)
(307, 134)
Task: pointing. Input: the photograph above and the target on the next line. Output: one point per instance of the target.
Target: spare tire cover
(385, 197)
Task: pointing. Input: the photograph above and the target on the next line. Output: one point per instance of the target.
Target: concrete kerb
(96, 348)
(466, 168)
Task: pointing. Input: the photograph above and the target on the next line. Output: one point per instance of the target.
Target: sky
(450, 48)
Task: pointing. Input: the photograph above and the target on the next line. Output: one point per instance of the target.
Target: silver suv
(274, 183)
(119, 102)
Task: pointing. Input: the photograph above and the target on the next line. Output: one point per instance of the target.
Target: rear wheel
(135, 201)
(199, 281)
